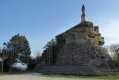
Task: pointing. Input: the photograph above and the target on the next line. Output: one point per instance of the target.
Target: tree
(36, 54)
(4, 55)
(47, 55)
(32, 63)
(60, 41)
(19, 49)
(114, 50)
(52, 48)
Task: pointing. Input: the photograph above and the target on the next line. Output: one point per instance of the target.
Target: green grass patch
(3, 74)
(88, 77)
(11, 73)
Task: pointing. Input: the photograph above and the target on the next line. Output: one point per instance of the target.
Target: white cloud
(109, 28)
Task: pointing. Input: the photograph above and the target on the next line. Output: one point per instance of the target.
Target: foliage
(60, 41)
(32, 63)
(6, 67)
(16, 50)
(4, 55)
(52, 49)
(114, 49)
(19, 49)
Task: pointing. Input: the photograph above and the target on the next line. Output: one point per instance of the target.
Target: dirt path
(37, 77)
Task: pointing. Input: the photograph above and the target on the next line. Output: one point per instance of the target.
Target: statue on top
(83, 16)
(83, 10)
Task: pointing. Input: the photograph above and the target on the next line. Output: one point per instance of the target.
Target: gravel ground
(37, 77)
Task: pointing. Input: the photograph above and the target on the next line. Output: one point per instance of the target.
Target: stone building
(82, 54)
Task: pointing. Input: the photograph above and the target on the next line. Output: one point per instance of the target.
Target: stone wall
(82, 54)
(82, 31)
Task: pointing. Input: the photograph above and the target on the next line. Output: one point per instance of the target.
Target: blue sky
(42, 20)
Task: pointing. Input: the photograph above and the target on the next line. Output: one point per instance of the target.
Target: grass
(88, 77)
(70, 76)
(11, 73)
(3, 74)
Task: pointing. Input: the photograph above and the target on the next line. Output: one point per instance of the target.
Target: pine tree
(19, 49)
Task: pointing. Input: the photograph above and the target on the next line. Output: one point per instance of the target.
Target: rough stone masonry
(82, 53)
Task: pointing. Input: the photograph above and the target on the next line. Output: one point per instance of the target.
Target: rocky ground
(37, 77)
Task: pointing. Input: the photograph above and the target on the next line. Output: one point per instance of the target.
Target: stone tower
(82, 53)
